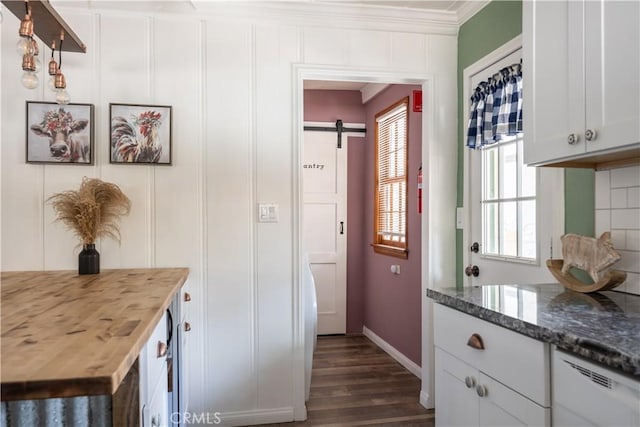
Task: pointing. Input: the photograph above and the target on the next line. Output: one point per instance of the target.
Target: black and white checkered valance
(496, 108)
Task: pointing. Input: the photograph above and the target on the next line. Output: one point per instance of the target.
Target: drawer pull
(162, 349)
(482, 390)
(187, 297)
(476, 342)
(470, 382)
(187, 326)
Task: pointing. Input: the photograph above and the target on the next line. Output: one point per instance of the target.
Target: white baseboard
(425, 400)
(393, 352)
(257, 416)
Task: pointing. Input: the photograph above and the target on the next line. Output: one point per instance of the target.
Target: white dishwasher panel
(586, 394)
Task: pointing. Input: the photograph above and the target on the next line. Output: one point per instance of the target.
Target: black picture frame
(140, 134)
(59, 134)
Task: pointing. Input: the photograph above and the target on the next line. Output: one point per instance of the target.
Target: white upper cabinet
(582, 82)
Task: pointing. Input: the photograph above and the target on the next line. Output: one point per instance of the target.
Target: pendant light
(28, 48)
(60, 83)
(49, 27)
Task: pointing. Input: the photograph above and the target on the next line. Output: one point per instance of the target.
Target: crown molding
(336, 15)
(469, 9)
(309, 13)
(312, 14)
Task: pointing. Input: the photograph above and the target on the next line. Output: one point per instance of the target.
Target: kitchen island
(602, 326)
(66, 335)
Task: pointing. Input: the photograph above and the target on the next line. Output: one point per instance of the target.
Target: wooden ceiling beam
(47, 24)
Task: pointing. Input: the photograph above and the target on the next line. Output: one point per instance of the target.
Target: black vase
(89, 260)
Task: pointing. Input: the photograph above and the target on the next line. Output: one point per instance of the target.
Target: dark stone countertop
(603, 326)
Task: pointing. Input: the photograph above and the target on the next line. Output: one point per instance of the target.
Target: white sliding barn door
(324, 173)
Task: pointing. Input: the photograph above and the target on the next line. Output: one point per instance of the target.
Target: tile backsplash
(618, 210)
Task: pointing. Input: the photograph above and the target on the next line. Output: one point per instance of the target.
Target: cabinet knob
(481, 390)
(156, 420)
(590, 134)
(187, 326)
(162, 349)
(573, 139)
(475, 341)
(470, 382)
(187, 296)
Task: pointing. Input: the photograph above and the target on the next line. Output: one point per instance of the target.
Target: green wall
(494, 25)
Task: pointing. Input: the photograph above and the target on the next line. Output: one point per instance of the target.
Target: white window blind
(391, 178)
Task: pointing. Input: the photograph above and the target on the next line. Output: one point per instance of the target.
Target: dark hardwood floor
(355, 383)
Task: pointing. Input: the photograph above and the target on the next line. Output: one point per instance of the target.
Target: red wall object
(417, 101)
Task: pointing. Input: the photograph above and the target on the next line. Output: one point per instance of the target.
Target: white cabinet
(181, 331)
(502, 381)
(163, 388)
(582, 81)
(153, 377)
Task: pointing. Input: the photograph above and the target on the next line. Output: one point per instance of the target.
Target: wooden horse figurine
(592, 255)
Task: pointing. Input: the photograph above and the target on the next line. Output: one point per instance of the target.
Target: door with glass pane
(511, 217)
(515, 213)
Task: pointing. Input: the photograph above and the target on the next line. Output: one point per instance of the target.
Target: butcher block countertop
(67, 335)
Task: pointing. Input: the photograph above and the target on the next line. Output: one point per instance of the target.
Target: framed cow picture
(140, 134)
(59, 133)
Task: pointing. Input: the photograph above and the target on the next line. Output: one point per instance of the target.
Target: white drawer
(155, 364)
(515, 360)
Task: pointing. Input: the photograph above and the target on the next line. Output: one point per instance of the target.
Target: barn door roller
(339, 127)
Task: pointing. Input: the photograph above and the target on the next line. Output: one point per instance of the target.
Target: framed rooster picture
(140, 134)
(59, 134)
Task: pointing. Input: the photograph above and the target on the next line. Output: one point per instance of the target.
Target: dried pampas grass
(93, 210)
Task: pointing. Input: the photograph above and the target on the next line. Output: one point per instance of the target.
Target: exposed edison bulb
(51, 83)
(37, 64)
(23, 46)
(29, 80)
(62, 97)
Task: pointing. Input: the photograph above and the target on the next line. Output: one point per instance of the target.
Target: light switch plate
(460, 218)
(268, 212)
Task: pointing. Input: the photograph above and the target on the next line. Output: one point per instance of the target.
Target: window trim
(385, 247)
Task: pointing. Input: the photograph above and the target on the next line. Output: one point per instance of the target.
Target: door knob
(472, 270)
(470, 382)
(475, 247)
(481, 390)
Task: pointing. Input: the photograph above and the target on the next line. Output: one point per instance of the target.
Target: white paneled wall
(231, 82)
(618, 211)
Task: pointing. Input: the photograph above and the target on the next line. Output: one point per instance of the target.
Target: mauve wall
(387, 304)
(346, 105)
(392, 302)
(331, 105)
